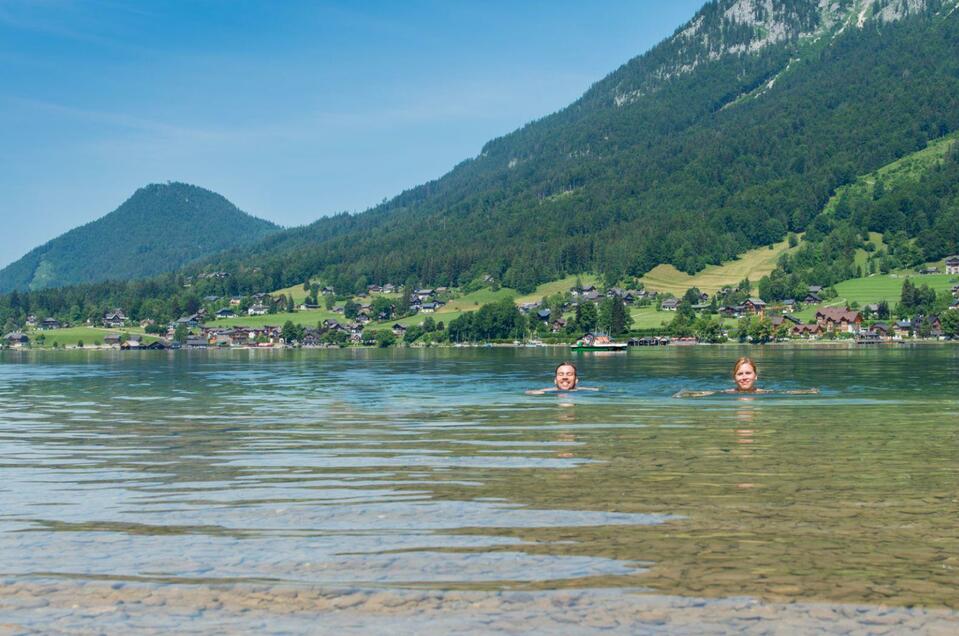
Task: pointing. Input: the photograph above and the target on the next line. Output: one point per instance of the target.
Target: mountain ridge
(155, 225)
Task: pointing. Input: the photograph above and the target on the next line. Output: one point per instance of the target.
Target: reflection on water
(368, 475)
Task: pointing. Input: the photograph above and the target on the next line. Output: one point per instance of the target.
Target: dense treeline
(918, 218)
(648, 167)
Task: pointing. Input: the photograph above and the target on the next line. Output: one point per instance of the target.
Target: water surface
(421, 490)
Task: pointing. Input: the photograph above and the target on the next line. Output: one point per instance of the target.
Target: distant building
(755, 306)
(670, 304)
(115, 318)
(952, 265)
(838, 319)
(257, 310)
(49, 323)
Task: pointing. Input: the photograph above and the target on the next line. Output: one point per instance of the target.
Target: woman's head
(745, 374)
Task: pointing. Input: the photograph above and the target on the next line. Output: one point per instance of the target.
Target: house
(193, 320)
(257, 310)
(952, 265)
(210, 299)
(149, 322)
(670, 304)
(703, 297)
(226, 312)
(544, 314)
(389, 288)
(789, 303)
(32, 321)
(557, 325)
(16, 339)
(235, 301)
(785, 319)
(755, 306)
(839, 319)
(307, 306)
(49, 323)
(115, 318)
(327, 291)
(196, 342)
(374, 289)
(815, 289)
(732, 311)
(807, 331)
(812, 298)
(934, 325)
(615, 292)
(528, 307)
(156, 345)
(925, 271)
(903, 328)
(590, 296)
(881, 329)
(428, 308)
(112, 340)
(399, 330)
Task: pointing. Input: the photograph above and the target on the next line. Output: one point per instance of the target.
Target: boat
(598, 342)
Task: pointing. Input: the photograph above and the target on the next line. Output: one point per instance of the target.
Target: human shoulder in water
(564, 381)
(745, 374)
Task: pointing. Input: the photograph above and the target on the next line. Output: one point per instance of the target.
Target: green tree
(950, 323)
(586, 317)
(180, 333)
(329, 301)
(351, 310)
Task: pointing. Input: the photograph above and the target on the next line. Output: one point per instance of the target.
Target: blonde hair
(742, 362)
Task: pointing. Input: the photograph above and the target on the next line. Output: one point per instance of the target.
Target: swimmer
(745, 374)
(565, 381)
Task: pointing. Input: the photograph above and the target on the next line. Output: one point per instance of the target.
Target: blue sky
(292, 110)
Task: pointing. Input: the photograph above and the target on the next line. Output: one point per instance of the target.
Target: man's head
(565, 377)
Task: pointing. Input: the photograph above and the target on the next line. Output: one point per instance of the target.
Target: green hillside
(159, 229)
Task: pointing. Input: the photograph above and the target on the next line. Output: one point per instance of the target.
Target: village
(389, 315)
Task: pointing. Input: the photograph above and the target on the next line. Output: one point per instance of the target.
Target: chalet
(211, 299)
(196, 342)
(812, 298)
(112, 340)
(903, 328)
(615, 292)
(424, 294)
(235, 301)
(115, 318)
(557, 325)
(590, 296)
(881, 329)
(16, 339)
(327, 291)
(156, 345)
(259, 296)
(807, 331)
(755, 306)
(257, 310)
(839, 319)
(789, 303)
(631, 296)
(311, 338)
(544, 314)
(670, 304)
(149, 322)
(309, 306)
(579, 291)
(871, 308)
(428, 308)
(934, 324)
(226, 312)
(363, 319)
(488, 279)
(925, 271)
(703, 297)
(389, 288)
(221, 340)
(785, 319)
(193, 320)
(439, 290)
(815, 289)
(32, 321)
(399, 330)
(952, 265)
(332, 325)
(49, 323)
(732, 311)
(528, 307)
(374, 289)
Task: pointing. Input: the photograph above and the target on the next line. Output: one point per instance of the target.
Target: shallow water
(421, 491)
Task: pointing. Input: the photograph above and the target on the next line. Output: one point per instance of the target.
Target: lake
(420, 491)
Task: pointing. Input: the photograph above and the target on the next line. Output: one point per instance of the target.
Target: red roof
(838, 314)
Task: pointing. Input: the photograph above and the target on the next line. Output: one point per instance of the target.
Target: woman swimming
(745, 374)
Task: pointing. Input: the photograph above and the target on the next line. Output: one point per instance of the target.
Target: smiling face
(565, 377)
(745, 376)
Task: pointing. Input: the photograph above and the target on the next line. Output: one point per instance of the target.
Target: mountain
(159, 229)
(729, 134)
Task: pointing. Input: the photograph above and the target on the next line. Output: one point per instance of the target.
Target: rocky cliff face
(738, 27)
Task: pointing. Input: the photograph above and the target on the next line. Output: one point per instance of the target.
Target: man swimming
(564, 381)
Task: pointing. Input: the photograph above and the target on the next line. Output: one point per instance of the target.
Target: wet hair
(567, 364)
(742, 362)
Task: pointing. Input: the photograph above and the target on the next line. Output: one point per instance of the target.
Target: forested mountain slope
(725, 136)
(159, 229)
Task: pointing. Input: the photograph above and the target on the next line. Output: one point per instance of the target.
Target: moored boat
(598, 342)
